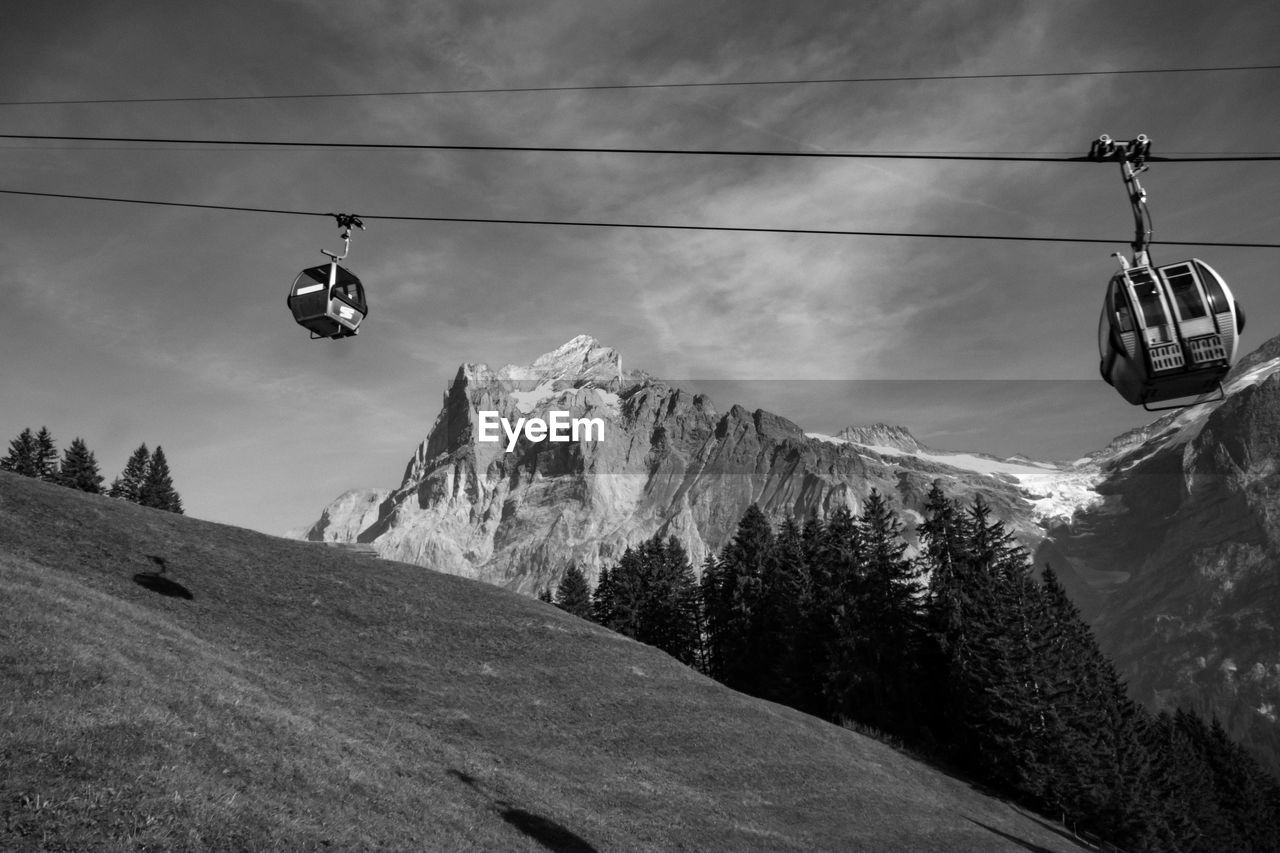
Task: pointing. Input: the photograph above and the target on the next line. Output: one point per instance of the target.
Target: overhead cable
(637, 225)
(567, 149)
(914, 78)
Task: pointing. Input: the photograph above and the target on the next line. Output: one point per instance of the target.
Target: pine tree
(941, 557)
(889, 626)
(651, 595)
(46, 456)
(671, 606)
(1081, 685)
(836, 579)
(781, 616)
(80, 468)
(992, 711)
(24, 455)
(623, 595)
(812, 637)
(602, 598)
(573, 595)
(128, 485)
(157, 487)
(730, 595)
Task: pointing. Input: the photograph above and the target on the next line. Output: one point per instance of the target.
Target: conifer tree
(651, 595)
(624, 594)
(889, 626)
(941, 555)
(781, 616)
(80, 468)
(837, 586)
(128, 485)
(573, 595)
(157, 487)
(730, 597)
(46, 456)
(981, 616)
(24, 455)
(602, 598)
(1081, 685)
(809, 671)
(671, 602)
(545, 595)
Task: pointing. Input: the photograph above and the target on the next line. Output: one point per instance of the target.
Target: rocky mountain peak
(580, 358)
(882, 435)
(580, 361)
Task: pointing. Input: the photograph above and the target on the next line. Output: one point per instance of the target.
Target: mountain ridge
(674, 464)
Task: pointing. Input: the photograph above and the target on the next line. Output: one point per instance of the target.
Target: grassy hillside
(166, 683)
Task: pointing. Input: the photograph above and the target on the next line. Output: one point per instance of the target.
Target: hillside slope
(174, 684)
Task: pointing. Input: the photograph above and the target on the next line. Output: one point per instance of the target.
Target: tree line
(960, 653)
(145, 480)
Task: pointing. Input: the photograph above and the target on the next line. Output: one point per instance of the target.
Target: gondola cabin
(328, 300)
(1168, 332)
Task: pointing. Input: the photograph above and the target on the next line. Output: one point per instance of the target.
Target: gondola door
(1155, 322)
(1192, 298)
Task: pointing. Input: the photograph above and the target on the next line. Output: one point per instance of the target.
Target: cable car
(1167, 332)
(329, 300)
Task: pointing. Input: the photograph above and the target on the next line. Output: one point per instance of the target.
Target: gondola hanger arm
(1132, 157)
(346, 221)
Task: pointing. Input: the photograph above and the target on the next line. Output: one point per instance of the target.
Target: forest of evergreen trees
(146, 479)
(984, 669)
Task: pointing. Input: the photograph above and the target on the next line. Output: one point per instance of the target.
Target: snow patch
(829, 439)
(1054, 491)
(527, 401)
(545, 393)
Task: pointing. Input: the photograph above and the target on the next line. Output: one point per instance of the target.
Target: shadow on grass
(1026, 845)
(157, 582)
(547, 832)
(162, 585)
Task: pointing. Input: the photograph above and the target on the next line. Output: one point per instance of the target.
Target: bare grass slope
(167, 683)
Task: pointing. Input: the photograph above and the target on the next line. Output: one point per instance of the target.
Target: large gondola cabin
(328, 300)
(1168, 332)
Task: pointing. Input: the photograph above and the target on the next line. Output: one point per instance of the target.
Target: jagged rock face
(1178, 566)
(346, 517)
(669, 463)
(882, 435)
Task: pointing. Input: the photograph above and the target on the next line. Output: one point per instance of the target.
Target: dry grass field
(171, 684)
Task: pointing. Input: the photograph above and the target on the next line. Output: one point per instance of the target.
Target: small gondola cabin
(328, 300)
(1168, 332)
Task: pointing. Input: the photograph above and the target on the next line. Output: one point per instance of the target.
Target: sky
(126, 324)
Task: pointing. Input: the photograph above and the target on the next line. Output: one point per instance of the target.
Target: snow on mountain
(1054, 491)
